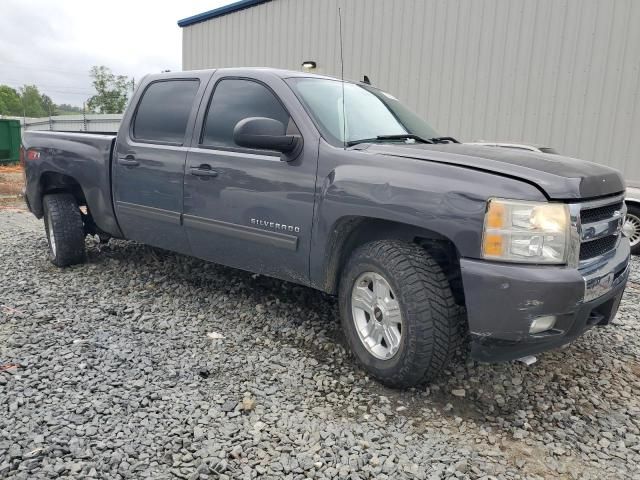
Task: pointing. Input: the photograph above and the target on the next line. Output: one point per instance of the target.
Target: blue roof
(218, 12)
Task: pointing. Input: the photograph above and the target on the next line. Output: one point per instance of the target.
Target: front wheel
(632, 228)
(398, 313)
(64, 229)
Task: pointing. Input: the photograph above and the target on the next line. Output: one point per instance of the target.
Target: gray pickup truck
(339, 187)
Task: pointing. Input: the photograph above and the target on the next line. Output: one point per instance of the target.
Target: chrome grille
(597, 247)
(600, 213)
(600, 227)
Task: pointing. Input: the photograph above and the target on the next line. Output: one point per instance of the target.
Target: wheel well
(53, 182)
(352, 232)
(635, 203)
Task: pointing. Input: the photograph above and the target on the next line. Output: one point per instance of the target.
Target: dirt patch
(11, 185)
(536, 461)
(11, 180)
(14, 168)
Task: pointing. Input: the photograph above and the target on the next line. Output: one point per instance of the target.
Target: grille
(599, 213)
(598, 247)
(595, 248)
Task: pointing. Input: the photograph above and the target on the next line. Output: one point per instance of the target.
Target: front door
(247, 208)
(148, 165)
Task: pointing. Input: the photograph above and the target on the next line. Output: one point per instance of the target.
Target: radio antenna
(344, 115)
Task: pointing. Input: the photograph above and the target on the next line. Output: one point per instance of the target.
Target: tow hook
(528, 360)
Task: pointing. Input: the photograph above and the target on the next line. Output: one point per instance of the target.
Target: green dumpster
(9, 140)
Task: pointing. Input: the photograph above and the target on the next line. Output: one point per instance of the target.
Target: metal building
(563, 73)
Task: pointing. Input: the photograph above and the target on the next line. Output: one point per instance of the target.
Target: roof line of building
(218, 12)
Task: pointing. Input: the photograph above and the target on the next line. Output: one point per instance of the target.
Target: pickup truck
(340, 187)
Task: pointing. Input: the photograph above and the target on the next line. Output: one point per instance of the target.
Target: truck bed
(83, 158)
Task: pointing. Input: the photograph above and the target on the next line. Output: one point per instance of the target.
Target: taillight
(33, 154)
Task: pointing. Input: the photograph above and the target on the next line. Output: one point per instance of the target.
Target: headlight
(529, 232)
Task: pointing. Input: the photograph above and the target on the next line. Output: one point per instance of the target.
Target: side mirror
(265, 134)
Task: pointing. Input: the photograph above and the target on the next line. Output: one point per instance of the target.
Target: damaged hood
(561, 178)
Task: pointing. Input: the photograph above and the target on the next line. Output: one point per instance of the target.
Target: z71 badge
(275, 225)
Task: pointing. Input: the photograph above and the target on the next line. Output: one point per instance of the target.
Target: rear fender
(76, 162)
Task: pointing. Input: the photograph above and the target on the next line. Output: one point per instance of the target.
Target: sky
(53, 44)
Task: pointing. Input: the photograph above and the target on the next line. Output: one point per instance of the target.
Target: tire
(64, 228)
(632, 226)
(431, 322)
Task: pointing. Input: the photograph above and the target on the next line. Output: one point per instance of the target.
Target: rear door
(248, 208)
(149, 159)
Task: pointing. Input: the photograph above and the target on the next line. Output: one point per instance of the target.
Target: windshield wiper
(443, 140)
(402, 136)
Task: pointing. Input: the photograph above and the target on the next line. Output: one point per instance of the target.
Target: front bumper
(504, 299)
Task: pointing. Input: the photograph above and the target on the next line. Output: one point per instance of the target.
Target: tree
(112, 91)
(28, 101)
(10, 103)
(48, 104)
(32, 104)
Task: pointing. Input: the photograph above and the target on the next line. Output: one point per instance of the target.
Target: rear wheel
(632, 228)
(398, 313)
(64, 228)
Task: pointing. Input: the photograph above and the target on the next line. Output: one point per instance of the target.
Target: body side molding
(276, 239)
(149, 212)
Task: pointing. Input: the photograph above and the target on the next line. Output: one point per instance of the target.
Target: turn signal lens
(493, 245)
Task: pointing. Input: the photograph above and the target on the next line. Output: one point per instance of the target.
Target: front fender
(447, 200)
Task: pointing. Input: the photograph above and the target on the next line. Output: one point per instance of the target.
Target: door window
(234, 100)
(163, 111)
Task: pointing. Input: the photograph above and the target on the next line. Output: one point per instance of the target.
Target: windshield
(368, 112)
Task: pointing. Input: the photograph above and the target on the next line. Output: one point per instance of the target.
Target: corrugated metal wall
(564, 73)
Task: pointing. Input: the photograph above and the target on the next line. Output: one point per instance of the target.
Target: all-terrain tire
(64, 228)
(432, 323)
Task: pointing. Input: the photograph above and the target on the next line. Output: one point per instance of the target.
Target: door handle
(128, 161)
(203, 170)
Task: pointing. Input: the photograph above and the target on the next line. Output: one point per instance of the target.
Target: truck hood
(560, 178)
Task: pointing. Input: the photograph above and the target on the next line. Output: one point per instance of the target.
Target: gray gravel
(146, 364)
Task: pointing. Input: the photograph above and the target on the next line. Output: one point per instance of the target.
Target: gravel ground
(142, 363)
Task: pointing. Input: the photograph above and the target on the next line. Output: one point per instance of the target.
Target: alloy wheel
(376, 314)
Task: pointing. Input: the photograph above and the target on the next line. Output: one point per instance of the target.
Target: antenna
(344, 115)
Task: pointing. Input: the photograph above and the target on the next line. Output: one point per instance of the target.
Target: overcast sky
(54, 44)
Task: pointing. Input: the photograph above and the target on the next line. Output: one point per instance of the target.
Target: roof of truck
(282, 73)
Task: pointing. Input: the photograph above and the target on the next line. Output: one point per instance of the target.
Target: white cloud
(54, 44)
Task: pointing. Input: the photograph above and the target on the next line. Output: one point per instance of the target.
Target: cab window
(163, 111)
(234, 100)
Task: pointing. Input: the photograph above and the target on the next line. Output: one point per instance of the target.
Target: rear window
(164, 110)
